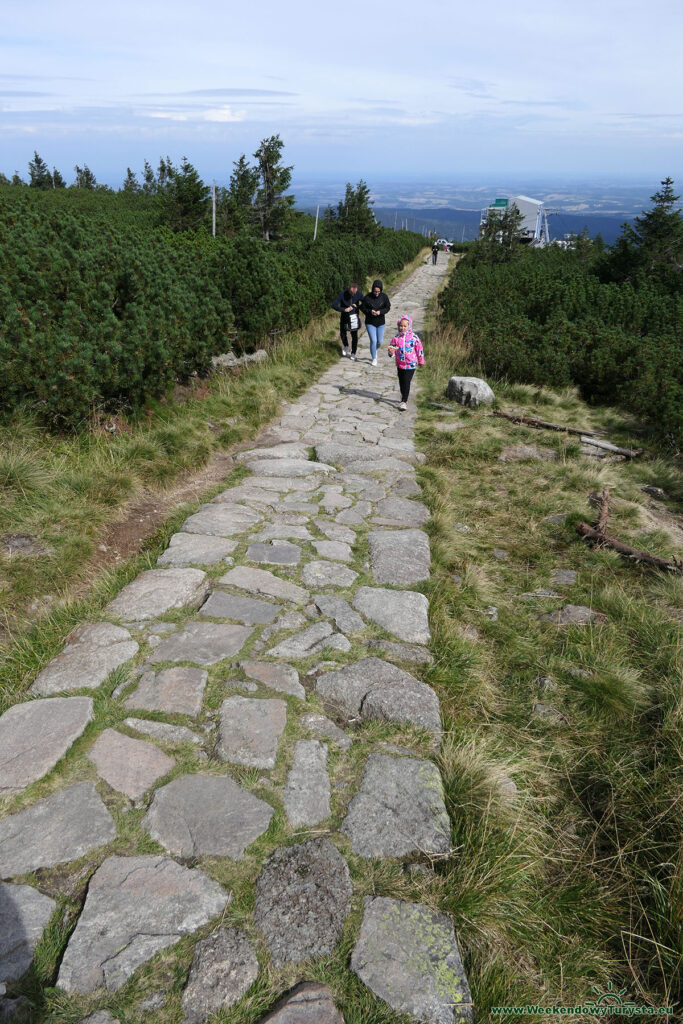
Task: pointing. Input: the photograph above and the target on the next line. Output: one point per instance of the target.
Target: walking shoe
(403, 406)
(374, 362)
(344, 353)
(353, 357)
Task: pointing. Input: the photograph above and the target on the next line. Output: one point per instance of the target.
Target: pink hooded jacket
(409, 352)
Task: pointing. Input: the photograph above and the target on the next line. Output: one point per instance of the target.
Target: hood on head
(406, 316)
(378, 284)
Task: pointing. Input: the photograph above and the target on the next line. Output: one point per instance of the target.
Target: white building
(534, 218)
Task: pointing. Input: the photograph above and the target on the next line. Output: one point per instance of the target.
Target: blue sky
(447, 90)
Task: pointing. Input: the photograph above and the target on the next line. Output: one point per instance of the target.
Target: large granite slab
(407, 955)
(401, 612)
(287, 450)
(156, 591)
(399, 809)
(320, 573)
(62, 827)
(206, 816)
(408, 513)
(289, 467)
(177, 691)
(135, 907)
(400, 557)
(204, 643)
(34, 736)
(250, 730)
(275, 675)
(275, 552)
(93, 651)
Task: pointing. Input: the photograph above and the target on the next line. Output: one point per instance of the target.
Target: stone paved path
(285, 600)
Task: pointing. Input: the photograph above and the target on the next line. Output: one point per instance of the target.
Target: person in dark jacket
(347, 305)
(435, 252)
(375, 305)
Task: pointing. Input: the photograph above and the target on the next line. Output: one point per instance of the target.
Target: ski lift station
(534, 218)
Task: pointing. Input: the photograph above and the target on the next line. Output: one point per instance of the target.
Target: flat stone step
(222, 520)
(407, 955)
(399, 556)
(306, 795)
(93, 651)
(60, 828)
(262, 581)
(374, 689)
(156, 591)
(250, 730)
(204, 643)
(327, 574)
(311, 641)
(135, 907)
(399, 809)
(35, 735)
(206, 816)
(248, 610)
(196, 549)
(307, 1003)
(275, 553)
(177, 691)
(275, 675)
(401, 612)
(341, 611)
(127, 765)
(289, 467)
(303, 897)
(223, 968)
(24, 913)
(164, 731)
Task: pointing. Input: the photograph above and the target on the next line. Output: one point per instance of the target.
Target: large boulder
(469, 391)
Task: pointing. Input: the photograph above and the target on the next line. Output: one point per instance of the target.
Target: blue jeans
(375, 334)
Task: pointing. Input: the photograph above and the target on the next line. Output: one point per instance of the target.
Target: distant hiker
(347, 305)
(375, 305)
(435, 252)
(407, 349)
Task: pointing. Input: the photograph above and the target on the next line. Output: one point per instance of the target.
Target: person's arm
(419, 352)
(338, 303)
(387, 304)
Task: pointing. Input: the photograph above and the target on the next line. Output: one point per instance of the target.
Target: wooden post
(213, 209)
(315, 229)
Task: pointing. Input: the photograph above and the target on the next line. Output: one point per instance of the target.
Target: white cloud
(224, 115)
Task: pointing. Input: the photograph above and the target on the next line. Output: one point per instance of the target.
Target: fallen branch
(629, 453)
(532, 421)
(596, 537)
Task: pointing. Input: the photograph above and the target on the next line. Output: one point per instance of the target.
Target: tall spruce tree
(236, 212)
(149, 181)
(85, 177)
(130, 183)
(272, 205)
(354, 214)
(183, 200)
(39, 173)
(57, 179)
(659, 232)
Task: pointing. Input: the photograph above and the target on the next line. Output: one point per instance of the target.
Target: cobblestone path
(269, 710)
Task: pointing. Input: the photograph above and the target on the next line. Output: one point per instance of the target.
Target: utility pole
(315, 229)
(395, 219)
(213, 208)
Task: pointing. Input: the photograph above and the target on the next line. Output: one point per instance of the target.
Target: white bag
(354, 321)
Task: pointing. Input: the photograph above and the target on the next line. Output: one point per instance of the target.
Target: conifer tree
(149, 182)
(183, 200)
(17, 180)
(272, 205)
(57, 179)
(85, 177)
(659, 232)
(354, 214)
(236, 209)
(130, 183)
(4, 180)
(39, 173)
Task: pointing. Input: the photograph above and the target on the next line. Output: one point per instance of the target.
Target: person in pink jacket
(407, 350)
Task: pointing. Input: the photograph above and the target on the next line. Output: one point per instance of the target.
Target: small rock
(563, 577)
(542, 593)
(462, 527)
(500, 553)
(324, 727)
(404, 652)
(99, 1017)
(546, 684)
(469, 391)
(574, 615)
(224, 966)
(559, 518)
(340, 610)
(303, 897)
(491, 613)
(548, 712)
(526, 452)
(654, 492)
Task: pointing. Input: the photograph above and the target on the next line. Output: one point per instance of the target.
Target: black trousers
(343, 332)
(404, 380)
